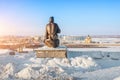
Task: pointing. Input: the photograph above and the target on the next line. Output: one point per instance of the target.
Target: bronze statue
(51, 37)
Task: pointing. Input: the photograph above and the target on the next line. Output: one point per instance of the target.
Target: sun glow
(4, 30)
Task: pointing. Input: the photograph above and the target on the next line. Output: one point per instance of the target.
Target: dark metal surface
(51, 37)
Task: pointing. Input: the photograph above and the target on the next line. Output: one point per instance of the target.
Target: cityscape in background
(94, 41)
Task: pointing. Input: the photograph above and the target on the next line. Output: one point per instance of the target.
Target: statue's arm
(58, 29)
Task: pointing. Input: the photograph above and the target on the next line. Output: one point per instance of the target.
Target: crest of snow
(57, 62)
(29, 67)
(83, 62)
(8, 71)
(27, 73)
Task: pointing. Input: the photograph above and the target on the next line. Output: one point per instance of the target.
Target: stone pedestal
(46, 52)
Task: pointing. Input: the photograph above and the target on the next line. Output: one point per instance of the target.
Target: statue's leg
(52, 43)
(56, 43)
(49, 43)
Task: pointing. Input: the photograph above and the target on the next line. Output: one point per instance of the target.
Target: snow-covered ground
(106, 40)
(81, 64)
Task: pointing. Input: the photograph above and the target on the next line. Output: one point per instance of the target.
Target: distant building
(73, 38)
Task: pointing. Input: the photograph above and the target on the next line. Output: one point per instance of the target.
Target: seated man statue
(51, 37)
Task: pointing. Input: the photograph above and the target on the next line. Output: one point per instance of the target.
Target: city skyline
(74, 17)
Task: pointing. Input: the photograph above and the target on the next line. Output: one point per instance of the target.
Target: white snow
(3, 51)
(81, 64)
(7, 71)
(118, 78)
(103, 74)
(106, 40)
(27, 73)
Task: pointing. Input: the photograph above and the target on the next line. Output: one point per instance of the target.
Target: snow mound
(28, 67)
(57, 62)
(8, 71)
(27, 73)
(85, 62)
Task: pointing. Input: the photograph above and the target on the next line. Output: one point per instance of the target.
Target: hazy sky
(74, 17)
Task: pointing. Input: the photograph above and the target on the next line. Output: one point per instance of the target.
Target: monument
(88, 39)
(51, 37)
(52, 46)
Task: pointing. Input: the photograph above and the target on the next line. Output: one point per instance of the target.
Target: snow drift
(27, 66)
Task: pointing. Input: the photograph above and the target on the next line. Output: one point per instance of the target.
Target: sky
(74, 17)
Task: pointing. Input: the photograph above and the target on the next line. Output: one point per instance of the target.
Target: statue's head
(51, 20)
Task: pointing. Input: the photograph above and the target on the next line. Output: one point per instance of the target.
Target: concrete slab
(46, 52)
